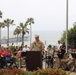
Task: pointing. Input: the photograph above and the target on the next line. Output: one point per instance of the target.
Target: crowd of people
(9, 56)
(6, 54)
(65, 59)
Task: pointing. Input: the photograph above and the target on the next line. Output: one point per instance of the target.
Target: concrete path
(71, 73)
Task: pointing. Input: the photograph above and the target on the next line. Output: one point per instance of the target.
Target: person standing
(49, 56)
(37, 45)
(58, 46)
(63, 48)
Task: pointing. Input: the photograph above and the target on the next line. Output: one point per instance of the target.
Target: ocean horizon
(48, 37)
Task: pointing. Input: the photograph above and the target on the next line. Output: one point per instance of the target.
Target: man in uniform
(49, 56)
(37, 45)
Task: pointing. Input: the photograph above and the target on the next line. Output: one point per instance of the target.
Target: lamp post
(66, 26)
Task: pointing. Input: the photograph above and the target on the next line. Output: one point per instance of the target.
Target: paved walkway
(72, 73)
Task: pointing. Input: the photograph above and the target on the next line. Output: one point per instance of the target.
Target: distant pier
(14, 39)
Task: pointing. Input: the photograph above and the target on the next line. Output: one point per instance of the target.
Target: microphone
(35, 43)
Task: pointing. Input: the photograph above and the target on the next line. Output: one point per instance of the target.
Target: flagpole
(66, 26)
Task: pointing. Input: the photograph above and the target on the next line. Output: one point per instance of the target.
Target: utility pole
(66, 26)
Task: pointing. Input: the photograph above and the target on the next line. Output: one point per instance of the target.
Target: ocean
(48, 37)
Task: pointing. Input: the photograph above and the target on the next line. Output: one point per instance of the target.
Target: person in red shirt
(9, 58)
(9, 52)
(2, 56)
(3, 52)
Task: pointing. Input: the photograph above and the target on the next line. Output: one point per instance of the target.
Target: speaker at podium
(33, 60)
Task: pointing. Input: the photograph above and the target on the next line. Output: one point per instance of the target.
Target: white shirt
(58, 46)
(25, 49)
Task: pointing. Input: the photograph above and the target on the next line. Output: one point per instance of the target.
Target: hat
(36, 36)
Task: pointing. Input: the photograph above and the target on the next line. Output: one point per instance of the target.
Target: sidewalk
(71, 73)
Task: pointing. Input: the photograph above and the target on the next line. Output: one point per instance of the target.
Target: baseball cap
(36, 36)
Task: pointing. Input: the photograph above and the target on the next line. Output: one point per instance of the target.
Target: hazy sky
(47, 14)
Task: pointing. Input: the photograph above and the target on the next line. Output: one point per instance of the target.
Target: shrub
(12, 72)
(12, 48)
(48, 71)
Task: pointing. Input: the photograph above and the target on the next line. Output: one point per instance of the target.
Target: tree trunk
(0, 35)
(30, 34)
(17, 39)
(8, 35)
(22, 39)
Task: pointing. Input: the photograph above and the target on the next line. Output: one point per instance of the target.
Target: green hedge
(47, 71)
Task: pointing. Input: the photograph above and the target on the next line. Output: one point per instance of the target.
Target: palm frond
(18, 27)
(2, 24)
(27, 32)
(8, 22)
(21, 25)
(12, 21)
(30, 20)
(26, 23)
(4, 21)
(0, 14)
(17, 31)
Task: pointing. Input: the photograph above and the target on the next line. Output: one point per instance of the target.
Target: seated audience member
(25, 48)
(62, 48)
(69, 50)
(9, 57)
(68, 60)
(0, 47)
(2, 57)
(18, 55)
(16, 50)
(21, 58)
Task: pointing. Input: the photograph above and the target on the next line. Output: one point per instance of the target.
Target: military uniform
(37, 46)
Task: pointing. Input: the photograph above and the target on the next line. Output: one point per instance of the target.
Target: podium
(33, 60)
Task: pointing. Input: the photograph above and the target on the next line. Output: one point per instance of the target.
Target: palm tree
(17, 32)
(1, 25)
(74, 24)
(23, 29)
(30, 21)
(0, 14)
(8, 22)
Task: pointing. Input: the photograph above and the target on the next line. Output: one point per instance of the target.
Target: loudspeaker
(33, 60)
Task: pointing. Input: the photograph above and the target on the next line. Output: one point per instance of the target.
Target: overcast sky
(47, 14)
